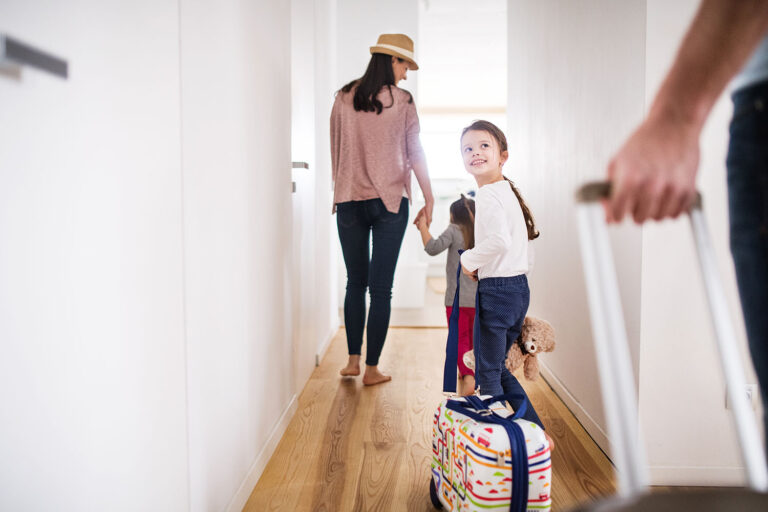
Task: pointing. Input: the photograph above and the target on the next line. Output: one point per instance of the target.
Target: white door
(92, 376)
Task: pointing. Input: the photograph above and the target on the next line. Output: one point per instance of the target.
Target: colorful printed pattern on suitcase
(472, 466)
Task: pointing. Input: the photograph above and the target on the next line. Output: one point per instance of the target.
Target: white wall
(576, 78)
(92, 370)
(237, 223)
(326, 237)
(145, 214)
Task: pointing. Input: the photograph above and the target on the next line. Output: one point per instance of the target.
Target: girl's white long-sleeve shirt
(501, 237)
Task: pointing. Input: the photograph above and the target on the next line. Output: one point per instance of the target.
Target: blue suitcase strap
(481, 404)
(479, 411)
(452, 343)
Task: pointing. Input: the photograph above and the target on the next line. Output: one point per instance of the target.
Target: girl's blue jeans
(369, 269)
(500, 309)
(747, 164)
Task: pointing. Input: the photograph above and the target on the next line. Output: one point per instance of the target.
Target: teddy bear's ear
(533, 324)
(542, 331)
(530, 323)
(543, 327)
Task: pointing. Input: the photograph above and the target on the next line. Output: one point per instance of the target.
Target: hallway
(349, 447)
(171, 271)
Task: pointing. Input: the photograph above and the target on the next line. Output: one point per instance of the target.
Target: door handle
(14, 54)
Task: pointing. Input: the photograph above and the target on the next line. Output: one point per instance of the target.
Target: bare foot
(373, 376)
(350, 371)
(467, 385)
(551, 442)
(353, 367)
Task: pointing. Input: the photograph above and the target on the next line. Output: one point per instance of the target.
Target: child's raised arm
(421, 225)
(433, 246)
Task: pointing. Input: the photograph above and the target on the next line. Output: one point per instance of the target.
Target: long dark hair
(463, 215)
(378, 74)
(501, 140)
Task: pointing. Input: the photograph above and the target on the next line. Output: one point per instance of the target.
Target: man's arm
(654, 172)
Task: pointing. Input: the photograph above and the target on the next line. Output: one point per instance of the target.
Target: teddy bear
(536, 336)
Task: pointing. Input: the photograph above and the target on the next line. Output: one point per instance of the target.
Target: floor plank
(351, 448)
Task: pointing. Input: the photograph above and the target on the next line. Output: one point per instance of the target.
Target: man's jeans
(748, 207)
(356, 220)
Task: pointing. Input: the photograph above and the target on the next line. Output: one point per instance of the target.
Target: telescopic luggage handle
(614, 363)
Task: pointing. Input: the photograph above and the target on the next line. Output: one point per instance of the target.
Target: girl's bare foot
(353, 367)
(551, 442)
(373, 376)
(467, 385)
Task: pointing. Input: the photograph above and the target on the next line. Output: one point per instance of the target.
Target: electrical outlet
(750, 391)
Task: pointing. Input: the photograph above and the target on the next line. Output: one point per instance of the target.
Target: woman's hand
(425, 212)
(421, 222)
(472, 274)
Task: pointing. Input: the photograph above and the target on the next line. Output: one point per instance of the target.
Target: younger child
(503, 227)
(459, 235)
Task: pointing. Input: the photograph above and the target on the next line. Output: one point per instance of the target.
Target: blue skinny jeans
(500, 307)
(373, 270)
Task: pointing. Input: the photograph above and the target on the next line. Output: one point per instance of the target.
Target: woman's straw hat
(397, 45)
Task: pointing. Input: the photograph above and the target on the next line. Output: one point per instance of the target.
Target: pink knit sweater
(372, 154)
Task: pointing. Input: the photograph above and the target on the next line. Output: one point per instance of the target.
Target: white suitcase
(480, 450)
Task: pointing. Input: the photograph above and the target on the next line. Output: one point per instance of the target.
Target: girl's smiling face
(482, 158)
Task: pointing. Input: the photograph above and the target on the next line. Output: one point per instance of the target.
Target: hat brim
(389, 51)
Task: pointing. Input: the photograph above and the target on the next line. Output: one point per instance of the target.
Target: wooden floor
(353, 448)
(430, 314)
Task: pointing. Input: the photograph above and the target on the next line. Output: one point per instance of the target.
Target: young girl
(503, 227)
(459, 235)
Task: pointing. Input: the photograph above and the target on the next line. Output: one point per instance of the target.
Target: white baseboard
(246, 488)
(659, 475)
(697, 476)
(323, 348)
(586, 420)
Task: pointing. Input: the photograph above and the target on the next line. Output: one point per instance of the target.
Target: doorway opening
(462, 77)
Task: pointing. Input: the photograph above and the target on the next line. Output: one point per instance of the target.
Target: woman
(374, 146)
